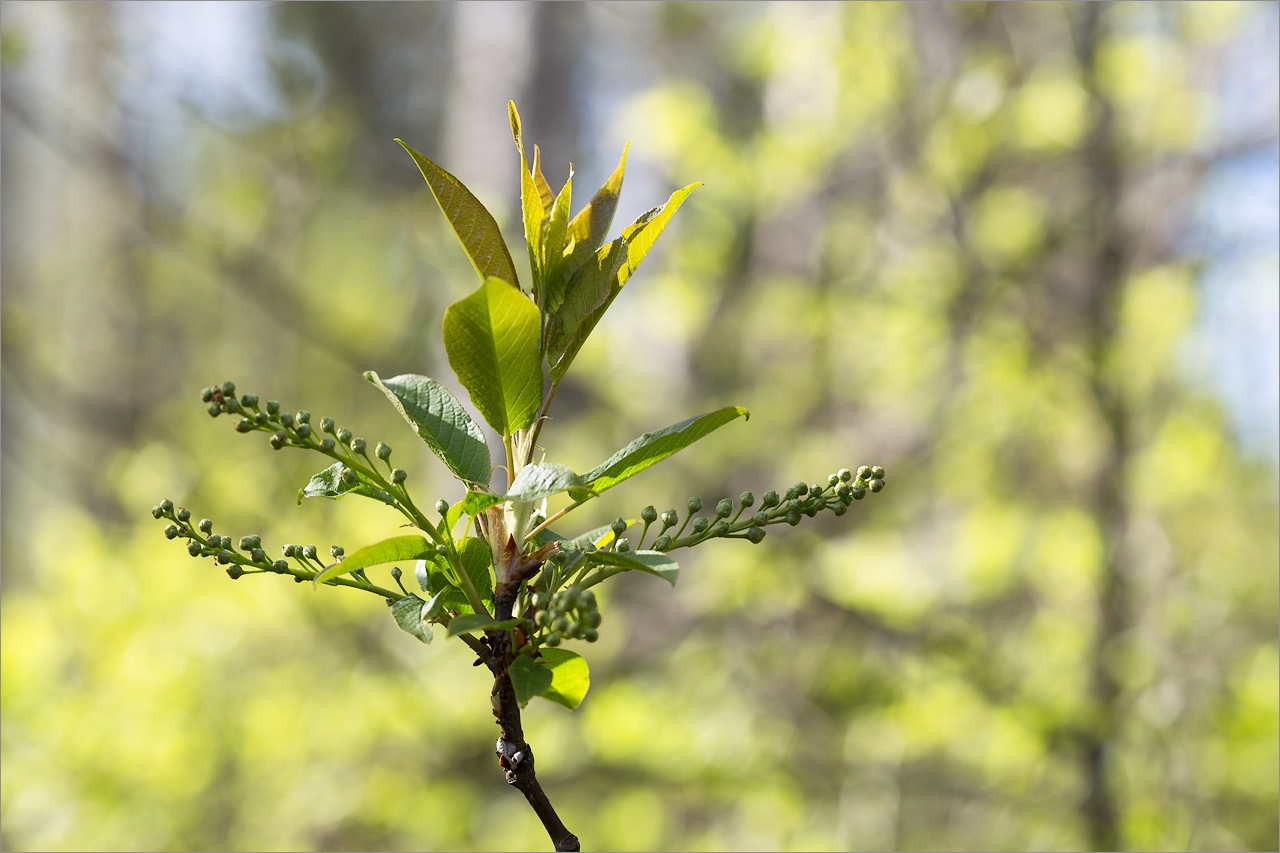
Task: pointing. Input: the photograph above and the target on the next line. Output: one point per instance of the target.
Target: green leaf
(552, 262)
(652, 447)
(601, 537)
(580, 297)
(590, 226)
(329, 484)
(441, 422)
(476, 562)
(491, 338)
(651, 562)
(570, 678)
(478, 622)
(474, 225)
(637, 239)
(397, 548)
(477, 502)
(535, 211)
(528, 678)
(535, 482)
(409, 613)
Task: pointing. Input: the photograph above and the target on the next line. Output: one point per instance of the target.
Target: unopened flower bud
(250, 400)
(859, 491)
(278, 439)
(720, 528)
(258, 555)
(700, 524)
(756, 535)
(171, 532)
(184, 514)
(662, 543)
(624, 545)
(833, 479)
(877, 473)
(303, 430)
(442, 506)
(357, 445)
(382, 451)
(724, 508)
(311, 553)
(261, 419)
(286, 419)
(244, 425)
(618, 526)
(552, 640)
(337, 551)
(695, 505)
(273, 408)
(648, 515)
(876, 485)
(396, 574)
(234, 572)
(206, 394)
(747, 499)
(157, 512)
(206, 526)
(228, 388)
(840, 509)
(216, 541)
(349, 476)
(225, 557)
(194, 549)
(844, 475)
(864, 472)
(590, 635)
(760, 519)
(670, 519)
(769, 499)
(214, 410)
(542, 619)
(289, 550)
(793, 518)
(815, 489)
(281, 567)
(344, 435)
(327, 425)
(801, 488)
(303, 417)
(398, 476)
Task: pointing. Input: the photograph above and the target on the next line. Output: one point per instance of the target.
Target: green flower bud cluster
(570, 614)
(803, 499)
(246, 555)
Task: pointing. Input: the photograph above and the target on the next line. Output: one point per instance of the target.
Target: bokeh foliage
(947, 238)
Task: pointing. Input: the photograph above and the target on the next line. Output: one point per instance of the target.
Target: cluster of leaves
(499, 340)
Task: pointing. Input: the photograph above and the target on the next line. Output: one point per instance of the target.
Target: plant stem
(537, 421)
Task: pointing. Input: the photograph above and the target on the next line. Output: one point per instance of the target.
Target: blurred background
(1022, 255)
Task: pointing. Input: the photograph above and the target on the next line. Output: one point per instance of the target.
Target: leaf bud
(195, 549)
(311, 553)
(250, 400)
(695, 505)
(244, 425)
(206, 525)
(206, 394)
(273, 408)
(303, 430)
(337, 551)
(876, 485)
(670, 519)
(720, 528)
(747, 499)
(877, 473)
(760, 519)
(398, 476)
(349, 477)
(793, 518)
(700, 524)
(755, 535)
(844, 475)
(624, 545)
(442, 506)
(358, 445)
(769, 500)
(859, 491)
(662, 543)
(396, 574)
(618, 526)
(214, 410)
(157, 512)
(281, 567)
(590, 635)
(228, 388)
(278, 438)
(248, 543)
(258, 555)
(171, 532)
(327, 445)
(286, 419)
(184, 514)
(648, 515)
(327, 425)
(235, 572)
(864, 472)
(224, 557)
(303, 417)
(724, 508)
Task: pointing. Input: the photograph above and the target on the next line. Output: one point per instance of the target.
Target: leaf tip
(514, 117)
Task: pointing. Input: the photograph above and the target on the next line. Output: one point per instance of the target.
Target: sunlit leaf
(590, 226)
(570, 677)
(478, 622)
(535, 482)
(476, 562)
(528, 678)
(581, 297)
(409, 615)
(651, 562)
(557, 227)
(531, 203)
(540, 181)
(475, 503)
(474, 225)
(440, 421)
(652, 447)
(397, 548)
(329, 484)
(491, 339)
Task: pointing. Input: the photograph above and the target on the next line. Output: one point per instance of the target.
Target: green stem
(468, 588)
(553, 517)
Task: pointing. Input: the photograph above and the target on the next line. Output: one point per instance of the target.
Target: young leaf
(491, 339)
(391, 550)
(441, 422)
(474, 225)
(601, 537)
(477, 502)
(575, 300)
(535, 212)
(478, 622)
(652, 447)
(570, 678)
(651, 562)
(540, 181)
(527, 678)
(552, 262)
(409, 615)
(475, 562)
(590, 226)
(329, 484)
(637, 238)
(535, 482)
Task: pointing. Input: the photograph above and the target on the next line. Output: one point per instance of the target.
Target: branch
(514, 753)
